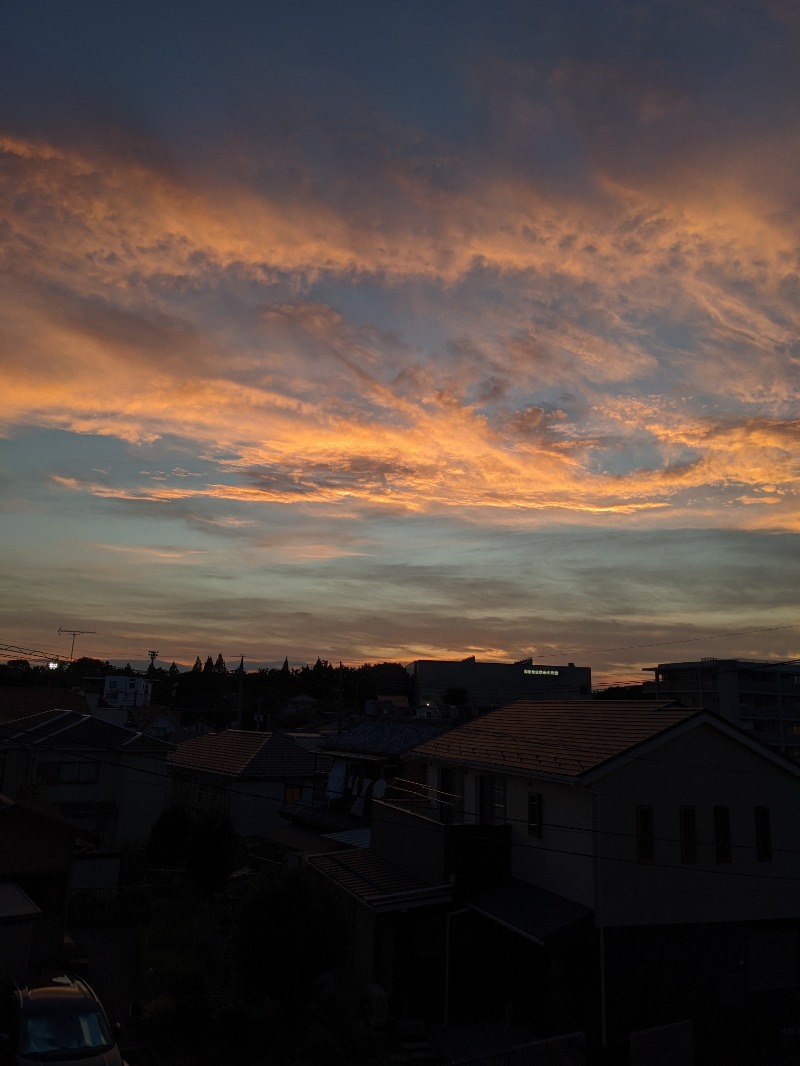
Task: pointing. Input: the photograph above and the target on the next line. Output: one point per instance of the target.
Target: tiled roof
(244, 753)
(565, 737)
(383, 738)
(17, 701)
(52, 729)
(373, 879)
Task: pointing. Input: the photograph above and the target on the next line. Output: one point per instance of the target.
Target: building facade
(601, 866)
(762, 697)
(487, 686)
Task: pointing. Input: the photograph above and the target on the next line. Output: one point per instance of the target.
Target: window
(67, 773)
(451, 794)
(645, 835)
(688, 834)
(491, 799)
(722, 834)
(292, 793)
(763, 834)
(535, 812)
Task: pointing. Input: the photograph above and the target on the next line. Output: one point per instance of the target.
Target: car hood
(112, 1057)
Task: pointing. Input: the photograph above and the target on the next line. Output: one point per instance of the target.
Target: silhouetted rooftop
(564, 737)
(244, 753)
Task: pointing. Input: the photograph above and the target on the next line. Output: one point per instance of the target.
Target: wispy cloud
(578, 307)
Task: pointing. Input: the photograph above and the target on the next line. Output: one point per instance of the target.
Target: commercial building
(486, 686)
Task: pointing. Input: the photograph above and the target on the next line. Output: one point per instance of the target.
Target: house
(160, 722)
(251, 775)
(120, 690)
(36, 852)
(759, 695)
(486, 686)
(18, 701)
(602, 866)
(101, 777)
(369, 753)
(302, 705)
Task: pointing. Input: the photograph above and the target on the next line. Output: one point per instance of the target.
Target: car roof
(55, 989)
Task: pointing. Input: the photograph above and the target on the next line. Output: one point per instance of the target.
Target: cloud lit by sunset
(307, 354)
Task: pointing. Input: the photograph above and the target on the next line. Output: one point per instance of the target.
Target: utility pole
(240, 699)
(75, 633)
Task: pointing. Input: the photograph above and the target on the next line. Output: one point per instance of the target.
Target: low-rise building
(252, 776)
(603, 866)
(101, 777)
(487, 686)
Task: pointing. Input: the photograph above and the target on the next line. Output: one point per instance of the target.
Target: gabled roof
(143, 717)
(565, 738)
(383, 738)
(242, 753)
(69, 729)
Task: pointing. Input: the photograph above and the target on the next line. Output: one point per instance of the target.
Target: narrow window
(688, 833)
(763, 834)
(535, 809)
(645, 838)
(722, 834)
(491, 799)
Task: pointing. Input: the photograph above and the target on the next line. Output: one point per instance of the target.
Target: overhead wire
(81, 755)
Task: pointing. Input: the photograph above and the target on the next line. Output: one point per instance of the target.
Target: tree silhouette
(202, 842)
(291, 929)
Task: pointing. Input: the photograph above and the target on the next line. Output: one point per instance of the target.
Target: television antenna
(75, 633)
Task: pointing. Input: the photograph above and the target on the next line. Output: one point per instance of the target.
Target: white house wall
(254, 807)
(561, 860)
(702, 769)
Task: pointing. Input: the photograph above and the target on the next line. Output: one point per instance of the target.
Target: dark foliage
(291, 929)
(201, 842)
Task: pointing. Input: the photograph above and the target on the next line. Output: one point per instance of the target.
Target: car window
(50, 1035)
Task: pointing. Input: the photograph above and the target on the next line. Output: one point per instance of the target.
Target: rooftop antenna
(75, 633)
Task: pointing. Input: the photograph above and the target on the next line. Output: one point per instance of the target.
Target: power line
(697, 640)
(161, 775)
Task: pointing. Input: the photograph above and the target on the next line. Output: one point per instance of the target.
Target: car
(55, 1020)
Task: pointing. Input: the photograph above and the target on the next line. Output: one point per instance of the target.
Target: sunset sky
(384, 331)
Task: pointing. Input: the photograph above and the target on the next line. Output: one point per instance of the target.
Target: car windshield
(65, 1035)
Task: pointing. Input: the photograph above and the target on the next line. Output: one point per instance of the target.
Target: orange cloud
(110, 265)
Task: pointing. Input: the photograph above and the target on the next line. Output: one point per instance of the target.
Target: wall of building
(561, 860)
(142, 787)
(255, 806)
(702, 769)
(496, 684)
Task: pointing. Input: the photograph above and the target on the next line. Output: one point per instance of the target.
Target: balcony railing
(446, 808)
